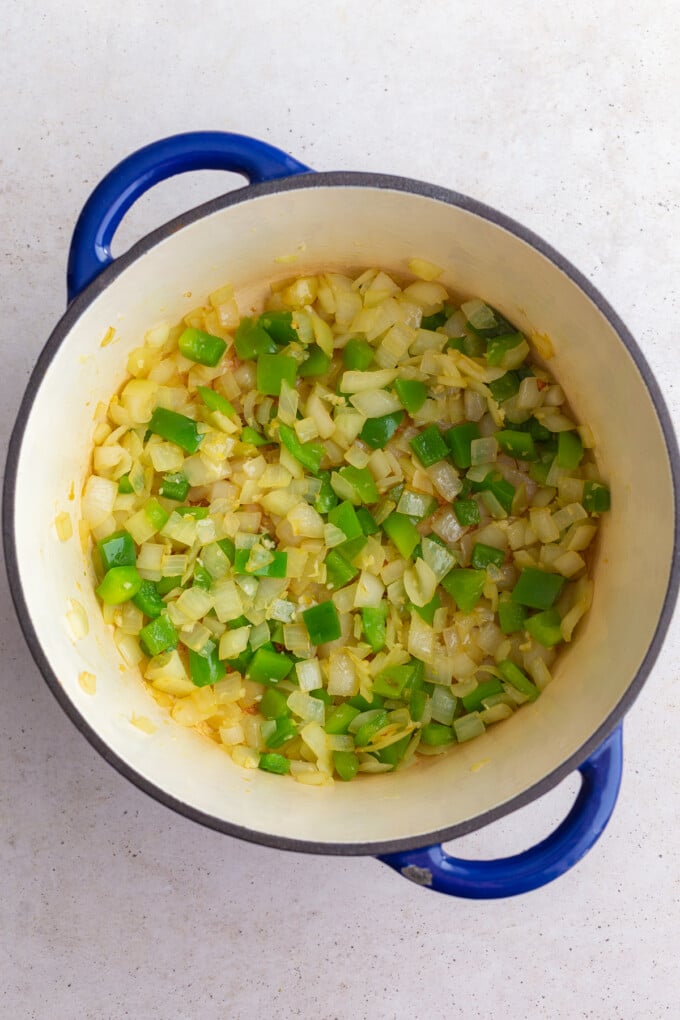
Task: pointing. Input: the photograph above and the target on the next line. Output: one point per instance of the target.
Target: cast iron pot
(340, 221)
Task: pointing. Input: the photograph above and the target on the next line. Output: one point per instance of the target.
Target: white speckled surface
(562, 115)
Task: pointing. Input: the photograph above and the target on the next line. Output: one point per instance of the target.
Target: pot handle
(90, 251)
(431, 867)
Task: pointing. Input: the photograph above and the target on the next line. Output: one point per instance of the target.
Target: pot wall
(336, 221)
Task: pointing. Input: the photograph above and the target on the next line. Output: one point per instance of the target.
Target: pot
(340, 221)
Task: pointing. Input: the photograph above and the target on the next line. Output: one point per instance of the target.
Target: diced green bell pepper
(206, 667)
(473, 701)
(158, 636)
(467, 512)
(268, 667)
(357, 354)
(377, 432)
(373, 619)
(390, 682)
(251, 340)
(499, 346)
(344, 516)
(339, 571)
(517, 679)
(483, 555)
(459, 440)
(176, 428)
(367, 521)
(537, 588)
(326, 498)
(156, 514)
(274, 704)
(545, 627)
(117, 550)
(434, 321)
(174, 486)
(199, 513)
(125, 485)
(338, 720)
(214, 401)
(250, 435)
(119, 585)
(516, 444)
(402, 532)
(272, 371)
(322, 623)
(427, 611)
(465, 586)
(505, 387)
(511, 615)
(277, 567)
(346, 764)
(275, 763)
(285, 730)
(316, 363)
(309, 455)
(429, 446)
(435, 734)
(596, 497)
(202, 577)
(569, 450)
(393, 753)
(228, 548)
(203, 348)
(364, 735)
(280, 327)
(148, 599)
(362, 482)
(411, 392)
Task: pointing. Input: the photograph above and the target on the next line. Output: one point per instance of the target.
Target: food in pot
(345, 531)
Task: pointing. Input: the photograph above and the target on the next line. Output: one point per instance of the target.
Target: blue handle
(509, 876)
(90, 251)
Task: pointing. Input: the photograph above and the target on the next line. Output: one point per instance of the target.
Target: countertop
(562, 115)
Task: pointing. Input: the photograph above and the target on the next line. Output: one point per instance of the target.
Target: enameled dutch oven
(339, 221)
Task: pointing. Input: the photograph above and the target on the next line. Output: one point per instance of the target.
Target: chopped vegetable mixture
(346, 532)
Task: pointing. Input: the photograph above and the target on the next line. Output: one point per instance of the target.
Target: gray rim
(78, 306)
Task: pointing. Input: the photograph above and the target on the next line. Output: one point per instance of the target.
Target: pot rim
(106, 277)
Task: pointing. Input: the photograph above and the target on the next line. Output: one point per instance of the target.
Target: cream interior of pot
(336, 227)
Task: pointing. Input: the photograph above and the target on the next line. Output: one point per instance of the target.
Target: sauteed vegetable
(344, 532)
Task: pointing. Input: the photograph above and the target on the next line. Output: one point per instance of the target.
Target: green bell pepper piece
(377, 432)
(569, 450)
(124, 485)
(272, 371)
(119, 585)
(467, 512)
(516, 444)
(511, 615)
(280, 327)
(316, 363)
(393, 753)
(367, 521)
(362, 482)
(176, 428)
(465, 587)
(390, 682)
(545, 627)
(344, 516)
(435, 734)
(214, 401)
(339, 571)
(433, 322)
(251, 340)
(411, 392)
(364, 735)
(326, 499)
(285, 730)
(429, 446)
(485, 689)
(117, 550)
(427, 611)
(505, 387)
(148, 599)
(499, 346)
(483, 555)
(206, 667)
(373, 620)
(402, 532)
(249, 435)
(174, 486)
(346, 764)
(357, 354)
(277, 567)
(340, 717)
(228, 548)
(199, 513)
(274, 704)
(537, 588)
(203, 348)
(202, 577)
(309, 455)
(275, 763)
(459, 440)
(596, 497)
(517, 679)
(322, 623)
(158, 636)
(268, 667)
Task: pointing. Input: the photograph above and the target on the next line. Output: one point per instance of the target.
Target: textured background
(563, 115)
